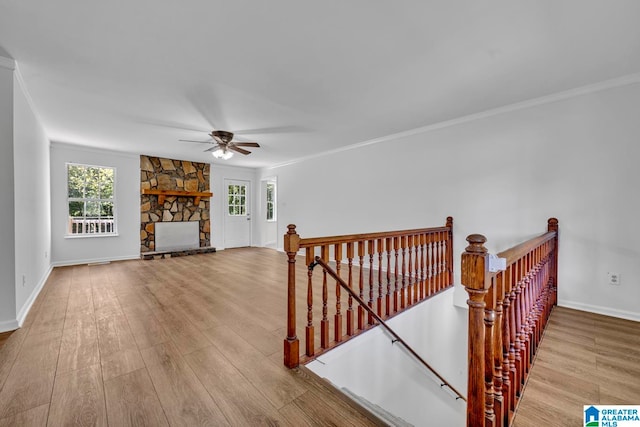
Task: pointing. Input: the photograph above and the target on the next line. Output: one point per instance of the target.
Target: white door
(237, 224)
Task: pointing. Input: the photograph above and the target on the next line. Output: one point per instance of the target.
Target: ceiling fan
(224, 145)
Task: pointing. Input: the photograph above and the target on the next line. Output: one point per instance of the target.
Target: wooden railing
(508, 311)
(391, 271)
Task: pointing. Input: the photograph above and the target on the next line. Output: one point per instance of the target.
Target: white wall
(7, 219)
(218, 204)
(78, 250)
(32, 203)
(502, 175)
(25, 230)
(438, 333)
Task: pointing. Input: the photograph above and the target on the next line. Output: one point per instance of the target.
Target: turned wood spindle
(388, 248)
(361, 249)
(324, 323)
(396, 247)
(337, 322)
(309, 330)
(350, 318)
(380, 299)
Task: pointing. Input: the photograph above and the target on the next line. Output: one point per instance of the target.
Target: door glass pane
(271, 197)
(237, 199)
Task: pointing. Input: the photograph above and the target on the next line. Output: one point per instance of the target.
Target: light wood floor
(583, 359)
(184, 341)
(4, 336)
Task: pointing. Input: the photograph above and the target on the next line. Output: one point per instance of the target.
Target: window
(237, 199)
(271, 201)
(90, 192)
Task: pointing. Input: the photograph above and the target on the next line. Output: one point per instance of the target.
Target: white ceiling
(299, 77)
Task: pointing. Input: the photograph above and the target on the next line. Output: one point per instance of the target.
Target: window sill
(87, 235)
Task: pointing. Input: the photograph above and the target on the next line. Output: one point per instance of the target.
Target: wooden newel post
(552, 225)
(291, 342)
(474, 268)
(449, 225)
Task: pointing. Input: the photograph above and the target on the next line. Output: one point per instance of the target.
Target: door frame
(268, 227)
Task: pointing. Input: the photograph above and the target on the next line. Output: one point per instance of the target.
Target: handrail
(316, 241)
(345, 286)
(516, 252)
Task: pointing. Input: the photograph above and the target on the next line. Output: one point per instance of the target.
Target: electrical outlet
(24, 280)
(614, 278)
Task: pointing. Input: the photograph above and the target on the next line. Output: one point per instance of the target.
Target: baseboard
(32, 298)
(9, 325)
(606, 311)
(94, 260)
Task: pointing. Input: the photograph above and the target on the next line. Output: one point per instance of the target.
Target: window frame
(113, 200)
(273, 202)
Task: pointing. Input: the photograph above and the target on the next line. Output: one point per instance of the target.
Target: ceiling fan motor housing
(222, 135)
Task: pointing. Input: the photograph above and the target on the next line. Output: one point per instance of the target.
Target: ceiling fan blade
(216, 139)
(239, 150)
(246, 144)
(201, 142)
(214, 148)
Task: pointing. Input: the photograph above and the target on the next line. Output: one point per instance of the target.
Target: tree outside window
(90, 193)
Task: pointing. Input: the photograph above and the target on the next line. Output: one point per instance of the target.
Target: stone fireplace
(175, 198)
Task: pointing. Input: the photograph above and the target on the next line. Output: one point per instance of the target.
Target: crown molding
(548, 99)
(220, 166)
(89, 149)
(7, 63)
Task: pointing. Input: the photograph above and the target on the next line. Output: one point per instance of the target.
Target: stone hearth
(172, 254)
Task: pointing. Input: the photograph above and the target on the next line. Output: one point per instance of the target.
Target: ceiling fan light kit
(224, 146)
(222, 154)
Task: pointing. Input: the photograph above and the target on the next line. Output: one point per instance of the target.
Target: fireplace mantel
(164, 193)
